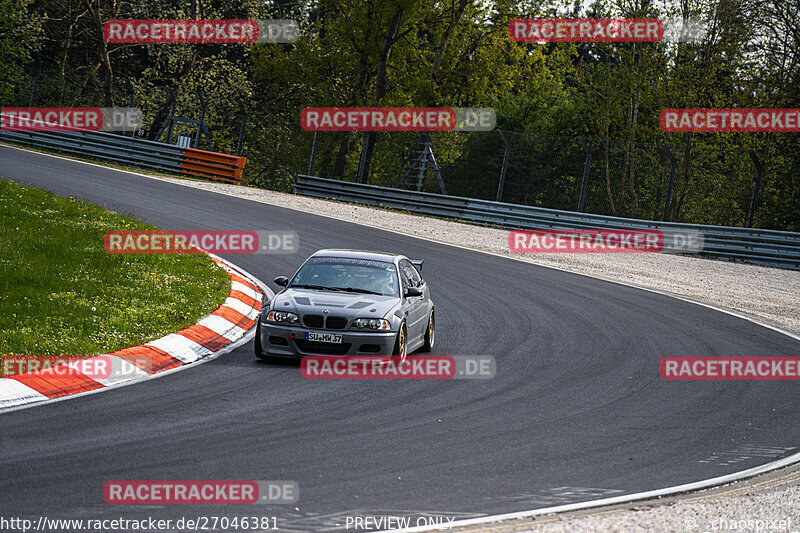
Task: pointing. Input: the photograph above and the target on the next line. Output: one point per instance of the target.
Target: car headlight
(372, 323)
(282, 317)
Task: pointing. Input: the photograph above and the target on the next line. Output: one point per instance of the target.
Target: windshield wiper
(362, 291)
(338, 289)
(315, 287)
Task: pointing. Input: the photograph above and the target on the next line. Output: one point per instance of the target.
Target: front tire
(430, 334)
(257, 345)
(401, 344)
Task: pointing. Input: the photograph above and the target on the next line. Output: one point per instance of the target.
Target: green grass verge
(61, 293)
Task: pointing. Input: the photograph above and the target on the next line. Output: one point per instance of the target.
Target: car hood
(346, 304)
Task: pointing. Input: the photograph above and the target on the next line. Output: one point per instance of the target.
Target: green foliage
(19, 36)
(457, 53)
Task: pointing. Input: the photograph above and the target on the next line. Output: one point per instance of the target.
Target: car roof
(357, 254)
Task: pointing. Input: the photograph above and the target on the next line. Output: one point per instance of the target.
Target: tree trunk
(108, 80)
(380, 84)
(630, 154)
(448, 35)
(608, 177)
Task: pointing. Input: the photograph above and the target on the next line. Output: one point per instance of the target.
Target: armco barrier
(136, 152)
(764, 247)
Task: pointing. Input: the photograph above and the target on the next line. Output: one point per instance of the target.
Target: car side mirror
(281, 280)
(413, 291)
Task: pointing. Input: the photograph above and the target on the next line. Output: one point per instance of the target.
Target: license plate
(323, 337)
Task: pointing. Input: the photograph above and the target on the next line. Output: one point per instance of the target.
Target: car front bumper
(290, 342)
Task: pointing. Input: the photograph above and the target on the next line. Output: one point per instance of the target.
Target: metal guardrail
(132, 151)
(105, 146)
(759, 246)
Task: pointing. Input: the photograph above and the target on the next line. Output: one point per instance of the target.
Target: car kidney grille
(336, 322)
(313, 321)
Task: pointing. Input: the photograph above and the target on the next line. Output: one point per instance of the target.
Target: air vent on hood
(360, 305)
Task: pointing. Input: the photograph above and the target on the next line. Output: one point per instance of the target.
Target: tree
(19, 35)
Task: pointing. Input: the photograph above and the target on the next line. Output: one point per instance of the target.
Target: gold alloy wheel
(402, 344)
(431, 332)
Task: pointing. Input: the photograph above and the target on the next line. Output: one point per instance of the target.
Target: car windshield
(351, 275)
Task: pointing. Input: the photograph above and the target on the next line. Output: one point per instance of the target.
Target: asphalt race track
(577, 410)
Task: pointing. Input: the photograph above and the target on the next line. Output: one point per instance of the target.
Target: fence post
(363, 161)
(313, 154)
(129, 86)
(586, 167)
(672, 165)
(202, 118)
(33, 88)
(756, 187)
(168, 119)
(241, 130)
(504, 168)
(171, 114)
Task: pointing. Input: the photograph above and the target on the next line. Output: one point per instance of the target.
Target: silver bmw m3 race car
(348, 303)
